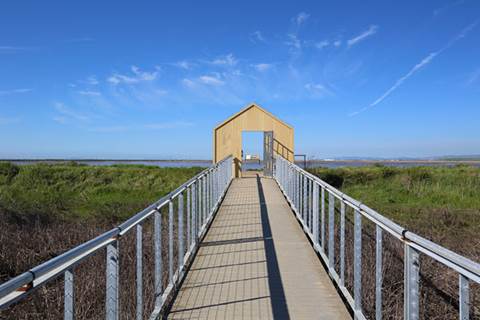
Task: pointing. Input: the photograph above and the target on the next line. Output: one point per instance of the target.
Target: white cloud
(257, 37)
(322, 44)
(183, 65)
(89, 93)
(317, 89)
(227, 60)
(188, 83)
(294, 43)
(66, 112)
(262, 67)
(138, 76)
(337, 43)
(14, 91)
(301, 18)
(424, 62)
(92, 80)
(364, 35)
(211, 80)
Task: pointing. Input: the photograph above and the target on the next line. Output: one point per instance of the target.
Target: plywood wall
(227, 137)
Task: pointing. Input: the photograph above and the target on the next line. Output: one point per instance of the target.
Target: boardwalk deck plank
(256, 263)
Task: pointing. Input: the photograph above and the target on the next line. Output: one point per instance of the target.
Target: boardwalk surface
(256, 263)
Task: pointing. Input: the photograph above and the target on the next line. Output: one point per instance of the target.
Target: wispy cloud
(256, 37)
(424, 62)
(364, 35)
(294, 44)
(65, 113)
(226, 60)
(12, 49)
(14, 91)
(450, 5)
(89, 93)
(92, 80)
(301, 18)
(474, 77)
(136, 76)
(262, 67)
(211, 80)
(184, 64)
(322, 44)
(317, 89)
(337, 43)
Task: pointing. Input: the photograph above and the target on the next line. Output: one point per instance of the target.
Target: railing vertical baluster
(200, 204)
(112, 282)
(331, 231)
(204, 199)
(357, 264)
(157, 236)
(194, 214)
(378, 272)
(322, 218)
(315, 215)
(411, 281)
(464, 297)
(69, 296)
(139, 273)
(342, 243)
(170, 242)
(189, 243)
(181, 251)
(311, 206)
(305, 199)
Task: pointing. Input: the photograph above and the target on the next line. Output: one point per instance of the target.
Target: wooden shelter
(227, 136)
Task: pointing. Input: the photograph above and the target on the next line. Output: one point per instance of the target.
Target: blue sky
(111, 79)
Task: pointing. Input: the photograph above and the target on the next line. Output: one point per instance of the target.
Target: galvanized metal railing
(203, 193)
(306, 194)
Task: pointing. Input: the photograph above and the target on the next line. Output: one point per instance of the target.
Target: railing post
(199, 200)
(194, 214)
(357, 264)
(322, 218)
(189, 242)
(69, 296)
(378, 273)
(157, 238)
(315, 215)
(204, 199)
(170, 242)
(331, 231)
(464, 297)
(342, 243)
(310, 204)
(305, 209)
(181, 251)
(139, 273)
(411, 280)
(112, 282)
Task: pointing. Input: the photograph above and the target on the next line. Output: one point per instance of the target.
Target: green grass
(72, 191)
(429, 200)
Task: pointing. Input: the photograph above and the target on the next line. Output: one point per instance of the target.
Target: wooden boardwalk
(256, 263)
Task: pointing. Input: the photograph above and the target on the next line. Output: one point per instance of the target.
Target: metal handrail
(204, 193)
(306, 194)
